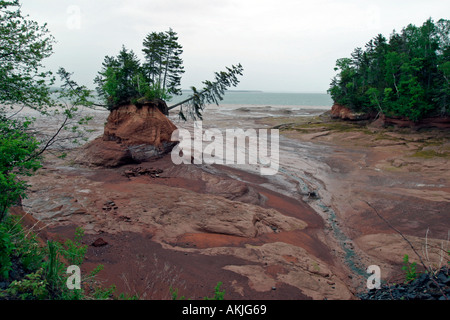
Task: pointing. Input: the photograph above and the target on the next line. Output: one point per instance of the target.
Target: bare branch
(396, 230)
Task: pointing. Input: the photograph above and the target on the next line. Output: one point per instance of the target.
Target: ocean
(262, 98)
(260, 104)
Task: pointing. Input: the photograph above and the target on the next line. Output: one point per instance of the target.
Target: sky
(283, 45)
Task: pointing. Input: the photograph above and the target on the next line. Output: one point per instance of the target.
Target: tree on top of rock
(163, 65)
(124, 80)
(121, 79)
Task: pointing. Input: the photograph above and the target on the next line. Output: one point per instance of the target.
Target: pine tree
(212, 92)
(163, 65)
(121, 79)
(405, 77)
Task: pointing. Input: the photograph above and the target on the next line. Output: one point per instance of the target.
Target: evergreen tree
(405, 77)
(212, 92)
(121, 79)
(163, 64)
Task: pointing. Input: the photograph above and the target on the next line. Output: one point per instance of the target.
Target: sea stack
(133, 133)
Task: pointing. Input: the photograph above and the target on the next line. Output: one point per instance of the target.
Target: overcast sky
(283, 45)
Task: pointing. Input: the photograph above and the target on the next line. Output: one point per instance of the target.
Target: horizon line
(270, 91)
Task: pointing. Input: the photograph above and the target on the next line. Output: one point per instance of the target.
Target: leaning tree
(123, 79)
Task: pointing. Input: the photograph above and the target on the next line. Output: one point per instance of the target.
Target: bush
(39, 272)
(17, 157)
(218, 295)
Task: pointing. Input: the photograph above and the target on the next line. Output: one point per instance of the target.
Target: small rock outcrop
(344, 113)
(341, 112)
(132, 134)
(431, 122)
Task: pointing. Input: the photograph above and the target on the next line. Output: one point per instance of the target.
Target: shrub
(409, 268)
(218, 295)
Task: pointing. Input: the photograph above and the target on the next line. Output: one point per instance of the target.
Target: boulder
(132, 134)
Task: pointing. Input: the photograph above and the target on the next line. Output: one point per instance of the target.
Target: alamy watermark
(374, 280)
(229, 146)
(73, 21)
(73, 281)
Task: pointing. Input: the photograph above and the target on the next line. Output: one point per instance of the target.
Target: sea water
(257, 104)
(269, 98)
(263, 98)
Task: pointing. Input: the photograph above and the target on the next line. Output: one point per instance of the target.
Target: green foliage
(212, 92)
(74, 251)
(23, 46)
(54, 269)
(21, 151)
(156, 92)
(124, 80)
(6, 250)
(104, 293)
(218, 295)
(409, 269)
(45, 273)
(174, 294)
(32, 287)
(121, 79)
(407, 76)
(17, 157)
(125, 296)
(25, 83)
(163, 65)
(16, 245)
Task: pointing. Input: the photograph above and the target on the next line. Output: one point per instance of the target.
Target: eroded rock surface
(132, 134)
(189, 211)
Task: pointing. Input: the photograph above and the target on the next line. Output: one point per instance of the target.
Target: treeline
(407, 76)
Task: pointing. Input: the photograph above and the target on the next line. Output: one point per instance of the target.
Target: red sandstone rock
(99, 243)
(436, 122)
(132, 126)
(132, 134)
(340, 112)
(105, 154)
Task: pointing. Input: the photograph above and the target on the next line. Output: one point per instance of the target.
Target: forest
(406, 76)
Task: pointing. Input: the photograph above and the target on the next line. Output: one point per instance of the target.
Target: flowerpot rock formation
(132, 134)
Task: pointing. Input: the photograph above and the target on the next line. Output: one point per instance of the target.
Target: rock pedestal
(132, 134)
